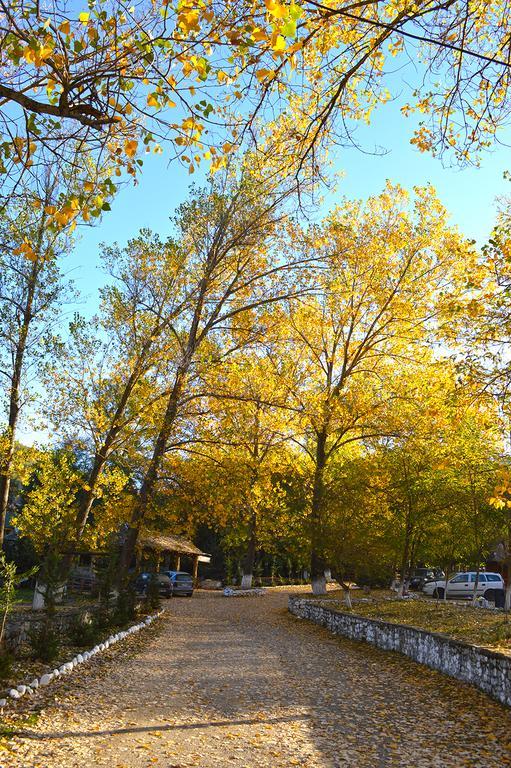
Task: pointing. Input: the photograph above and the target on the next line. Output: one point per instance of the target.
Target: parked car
(164, 583)
(420, 576)
(182, 583)
(461, 586)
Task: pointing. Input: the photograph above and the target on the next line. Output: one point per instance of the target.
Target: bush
(125, 605)
(45, 642)
(82, 633)
(6, 662)
(153, 593)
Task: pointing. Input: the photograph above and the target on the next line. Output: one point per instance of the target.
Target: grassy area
(478, 626)
(25, 594)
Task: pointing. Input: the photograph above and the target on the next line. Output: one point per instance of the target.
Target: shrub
(153, 593)
(125, 605)
(6, 662)
(83, 633)
(45, 642)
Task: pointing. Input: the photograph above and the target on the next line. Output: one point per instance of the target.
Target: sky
(469, 194)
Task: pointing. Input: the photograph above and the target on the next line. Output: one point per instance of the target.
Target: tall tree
(32, 289)
(385, 268)
(231, 234)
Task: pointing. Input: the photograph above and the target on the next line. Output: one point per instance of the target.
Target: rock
(3, 703)
(22, 689)
(29, 691)
(79, 659)
(35, 683)
(62, 670)
(46, 679)
(210, 584)
(14, 694)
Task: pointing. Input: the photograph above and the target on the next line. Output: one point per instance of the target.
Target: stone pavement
(238, 682)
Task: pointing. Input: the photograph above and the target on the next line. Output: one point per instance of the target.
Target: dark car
(164, 583)
(182, 583)
(420, 576)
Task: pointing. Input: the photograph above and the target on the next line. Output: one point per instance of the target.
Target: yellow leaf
(130, 147)
(84, 17)
(152, 101)
(265, 74)
(279, 45)
(276, 9)
(65, 27)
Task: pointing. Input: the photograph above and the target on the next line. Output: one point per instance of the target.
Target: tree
(247, 426)
(229, 233)
(385, 270)
(32, 290)
(109, 382)
(205, 77)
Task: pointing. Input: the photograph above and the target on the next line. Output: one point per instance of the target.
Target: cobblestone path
(240, 683)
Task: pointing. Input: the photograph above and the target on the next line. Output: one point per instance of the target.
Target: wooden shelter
(168, 551)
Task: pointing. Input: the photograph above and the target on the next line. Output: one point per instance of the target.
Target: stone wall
(21, 623)
(488, 670)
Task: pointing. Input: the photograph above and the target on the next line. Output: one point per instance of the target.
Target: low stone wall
(20, 624)
(488, 670)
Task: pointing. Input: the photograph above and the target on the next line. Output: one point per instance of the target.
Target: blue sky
(469, 194)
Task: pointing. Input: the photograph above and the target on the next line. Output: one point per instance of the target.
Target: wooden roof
(159, 543)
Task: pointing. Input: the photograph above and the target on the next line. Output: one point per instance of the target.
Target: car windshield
(182, 577)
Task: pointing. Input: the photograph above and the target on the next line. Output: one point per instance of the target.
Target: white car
(462, 586)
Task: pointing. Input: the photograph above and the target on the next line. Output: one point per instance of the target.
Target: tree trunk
(406, 551)
(507, 600)
(318, 564)
(447, 572)
(347, 596)
(476, 583)
(151, 476)
(14, 393)
(249, 559)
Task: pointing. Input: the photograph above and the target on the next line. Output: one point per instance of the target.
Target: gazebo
(168, 551)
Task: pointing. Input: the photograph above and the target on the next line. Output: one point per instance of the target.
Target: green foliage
(83, 633)
(153, 593)
(6, 662)
(45, 642)
(9, 581)
(48, 515)
(125, 609)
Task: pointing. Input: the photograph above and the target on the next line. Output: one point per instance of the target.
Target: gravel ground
(239, 682)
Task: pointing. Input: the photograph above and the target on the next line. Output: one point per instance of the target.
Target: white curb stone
(44, 680)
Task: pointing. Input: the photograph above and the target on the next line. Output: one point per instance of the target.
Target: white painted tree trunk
(246, 581)
(319, 585)
(507, 603)
(39, 599)
(347, 599)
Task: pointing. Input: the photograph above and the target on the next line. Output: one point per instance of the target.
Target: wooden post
(195, 568)
(178, 562)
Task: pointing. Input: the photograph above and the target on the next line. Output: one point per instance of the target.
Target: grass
(490, 629)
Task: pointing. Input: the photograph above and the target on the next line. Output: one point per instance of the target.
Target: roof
(168, 544)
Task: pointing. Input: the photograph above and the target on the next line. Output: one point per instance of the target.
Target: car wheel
(439, 593)
(489, 595)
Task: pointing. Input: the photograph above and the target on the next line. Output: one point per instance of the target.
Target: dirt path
(239, 682)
